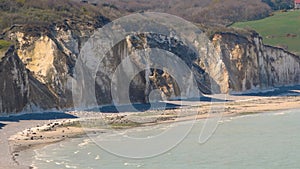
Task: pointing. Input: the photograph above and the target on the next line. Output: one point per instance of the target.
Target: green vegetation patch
(48, 12)
(281, 30)
(124, 125)
(4, 45)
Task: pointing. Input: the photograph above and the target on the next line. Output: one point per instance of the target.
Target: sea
(265, 140)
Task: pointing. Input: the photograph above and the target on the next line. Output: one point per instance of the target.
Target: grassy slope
(274, 29)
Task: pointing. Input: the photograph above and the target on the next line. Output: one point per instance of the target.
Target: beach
(23, 134)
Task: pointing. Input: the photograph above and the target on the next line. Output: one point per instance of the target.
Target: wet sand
(10, 126)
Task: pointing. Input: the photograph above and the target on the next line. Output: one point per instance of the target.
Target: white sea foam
(137, 165)
(59, 163)
(226, 120)
(97, 157)
(49, 161)
(70, 166)
(85, 142)
(280, 114)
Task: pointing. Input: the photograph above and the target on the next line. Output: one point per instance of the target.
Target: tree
(280, 4)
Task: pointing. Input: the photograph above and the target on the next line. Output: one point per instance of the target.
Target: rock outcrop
(20, 91)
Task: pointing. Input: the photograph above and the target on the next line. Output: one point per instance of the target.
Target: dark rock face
(14, 83)
(147, 81)
(19, 90)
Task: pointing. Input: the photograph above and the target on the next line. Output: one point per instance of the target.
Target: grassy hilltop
(282, 29)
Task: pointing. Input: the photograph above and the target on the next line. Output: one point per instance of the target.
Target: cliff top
(281, 30)
(37, 16)
(46, 12)
(199, 11)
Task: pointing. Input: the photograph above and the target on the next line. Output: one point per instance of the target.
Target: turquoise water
(270, 140)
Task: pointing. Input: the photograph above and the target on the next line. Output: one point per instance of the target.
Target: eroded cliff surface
(20, 91)
(37, 72)
(48, 54)
(253, 65)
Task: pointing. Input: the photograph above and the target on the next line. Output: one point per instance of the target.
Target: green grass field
(282, 29)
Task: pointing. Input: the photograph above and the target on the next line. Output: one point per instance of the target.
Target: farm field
(281, 30)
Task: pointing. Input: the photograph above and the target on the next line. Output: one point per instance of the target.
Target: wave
(85, 142)
(137, 165)
(97, 157)
(70, 166)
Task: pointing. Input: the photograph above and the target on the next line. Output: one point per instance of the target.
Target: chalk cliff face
(45, 57)
(252, 65)
(36, 73)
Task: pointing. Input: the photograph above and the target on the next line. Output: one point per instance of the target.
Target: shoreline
(38, 136)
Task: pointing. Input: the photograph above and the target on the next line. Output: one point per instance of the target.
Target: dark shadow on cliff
(2, 125)
(280, 91)
(153, 106)
(136, 107)
(38, 116)
(203, 99)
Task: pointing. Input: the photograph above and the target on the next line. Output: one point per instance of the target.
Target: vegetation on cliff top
(280, 4)
(281, 30)
(215, 13)
(221, 12)
(199, 11)
(47, 12)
